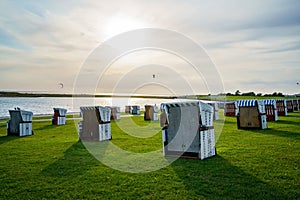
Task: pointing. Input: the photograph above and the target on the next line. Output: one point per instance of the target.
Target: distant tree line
(238, 93)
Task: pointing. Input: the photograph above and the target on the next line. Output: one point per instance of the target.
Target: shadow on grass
(216, 178)
(279, 133)
(291, 114)
(287, 122)
(4, 139)
(75, 162)
(46, 127)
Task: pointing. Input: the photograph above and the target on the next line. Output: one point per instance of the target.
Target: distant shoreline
(189, 97)
(20, 94)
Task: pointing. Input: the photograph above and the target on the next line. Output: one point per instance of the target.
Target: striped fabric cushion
(269, 102)
(244, 103)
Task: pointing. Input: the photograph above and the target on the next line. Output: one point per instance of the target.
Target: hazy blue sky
(254, 44)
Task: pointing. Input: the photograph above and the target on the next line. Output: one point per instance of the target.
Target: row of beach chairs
(20, 123)
(187, 127)
(254, 114)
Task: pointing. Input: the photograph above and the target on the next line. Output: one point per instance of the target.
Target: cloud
(249, 41)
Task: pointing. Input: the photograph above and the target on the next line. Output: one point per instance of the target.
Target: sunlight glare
(119, 24)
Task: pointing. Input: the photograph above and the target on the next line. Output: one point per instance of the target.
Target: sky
(246, 46)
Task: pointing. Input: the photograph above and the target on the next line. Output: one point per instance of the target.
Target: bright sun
(119, 24)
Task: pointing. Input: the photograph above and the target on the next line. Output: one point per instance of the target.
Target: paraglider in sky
(153, 75)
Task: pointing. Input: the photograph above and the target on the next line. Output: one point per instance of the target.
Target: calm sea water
(45, 105)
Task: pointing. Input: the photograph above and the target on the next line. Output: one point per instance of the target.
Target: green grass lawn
(53, 164)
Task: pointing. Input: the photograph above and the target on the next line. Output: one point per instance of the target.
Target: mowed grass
(251, 164)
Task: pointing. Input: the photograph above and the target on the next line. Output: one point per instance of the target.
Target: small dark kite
(61, 85)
